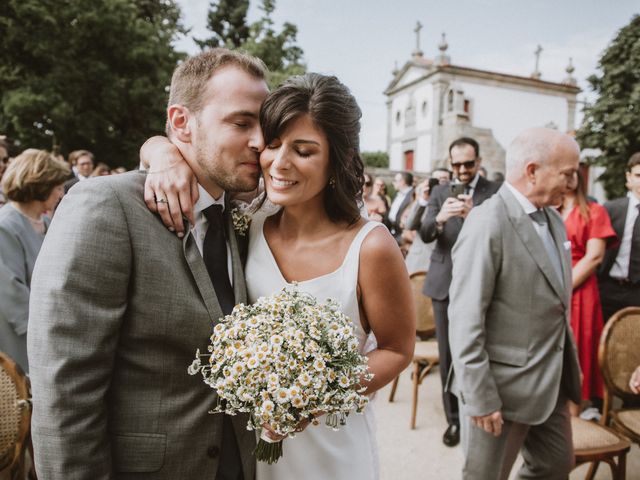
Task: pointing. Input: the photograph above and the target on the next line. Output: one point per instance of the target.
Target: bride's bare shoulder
(379, 245)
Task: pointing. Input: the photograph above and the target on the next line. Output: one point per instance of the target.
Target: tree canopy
(375, 159)
(89, 74)
(612, 123)
(227, 22)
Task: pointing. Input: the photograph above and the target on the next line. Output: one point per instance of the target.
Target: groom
(120, 304)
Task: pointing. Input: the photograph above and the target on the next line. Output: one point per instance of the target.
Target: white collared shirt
(397, 201)
(620, 268)
(472, 184)
(526, 205)
(199, 229)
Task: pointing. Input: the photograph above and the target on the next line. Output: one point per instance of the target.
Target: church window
(424, 108)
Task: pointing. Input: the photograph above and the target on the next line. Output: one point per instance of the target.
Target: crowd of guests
(31, 186)
(426, 217)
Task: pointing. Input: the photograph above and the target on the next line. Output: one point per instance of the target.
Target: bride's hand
(171, 188)
(276, 437)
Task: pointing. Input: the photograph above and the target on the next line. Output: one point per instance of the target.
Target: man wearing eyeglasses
(447, 208)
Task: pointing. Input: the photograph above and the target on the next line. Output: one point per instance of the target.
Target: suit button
(558, 348)
(213, 451)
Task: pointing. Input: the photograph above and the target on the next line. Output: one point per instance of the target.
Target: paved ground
(407, 454)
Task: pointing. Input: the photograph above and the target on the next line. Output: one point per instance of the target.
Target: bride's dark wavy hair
(334, 110)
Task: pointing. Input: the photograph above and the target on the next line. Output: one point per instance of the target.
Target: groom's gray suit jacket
(509, 315)
(118, 307)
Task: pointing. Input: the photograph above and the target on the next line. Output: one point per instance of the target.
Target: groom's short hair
(189, 80)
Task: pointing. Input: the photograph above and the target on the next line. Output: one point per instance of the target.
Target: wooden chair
(425, 355)
(618, 356)
(15, 418)
(594, 443)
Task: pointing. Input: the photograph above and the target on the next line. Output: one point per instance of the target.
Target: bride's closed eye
(304, 153)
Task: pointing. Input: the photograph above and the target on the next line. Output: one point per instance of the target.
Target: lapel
(479, 192)
(200, 275)
(483, 191)
(199, 270)
(533, 243)
(618, 221)
(408, 198)
(558, 232)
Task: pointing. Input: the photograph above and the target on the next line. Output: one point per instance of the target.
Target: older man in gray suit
(120, 304)
(514, 358)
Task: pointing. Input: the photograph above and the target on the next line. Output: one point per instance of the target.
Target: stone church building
(432, 102)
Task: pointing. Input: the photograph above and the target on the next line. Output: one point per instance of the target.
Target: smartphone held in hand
(457, 189)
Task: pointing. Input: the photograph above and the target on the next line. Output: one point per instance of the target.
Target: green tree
(612, 122)
(227, 22)
(86, 73)
(278, 50)
(375, 159)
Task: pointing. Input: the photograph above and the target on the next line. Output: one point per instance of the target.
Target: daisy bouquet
(285, 359)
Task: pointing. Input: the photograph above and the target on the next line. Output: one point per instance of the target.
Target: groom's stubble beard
(223, 172)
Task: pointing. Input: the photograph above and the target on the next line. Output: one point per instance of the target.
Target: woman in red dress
(588, 228)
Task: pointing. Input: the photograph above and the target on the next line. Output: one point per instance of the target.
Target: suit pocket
(138, 452)
(507, 355)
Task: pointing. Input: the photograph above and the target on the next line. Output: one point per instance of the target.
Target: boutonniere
(241, 220)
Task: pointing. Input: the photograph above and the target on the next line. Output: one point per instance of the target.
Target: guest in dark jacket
(447, 208)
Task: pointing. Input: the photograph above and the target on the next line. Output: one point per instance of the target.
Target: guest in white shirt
(403, 183)
(619, 276)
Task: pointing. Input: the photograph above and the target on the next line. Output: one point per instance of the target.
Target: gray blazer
(509, 315)
(19, 247)
(119, 306)
(437, 283)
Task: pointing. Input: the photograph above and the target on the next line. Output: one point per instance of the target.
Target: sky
(359, 41)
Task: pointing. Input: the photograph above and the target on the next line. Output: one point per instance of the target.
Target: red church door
(408, 160)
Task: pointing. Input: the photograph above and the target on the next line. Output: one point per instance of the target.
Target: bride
(313, 171)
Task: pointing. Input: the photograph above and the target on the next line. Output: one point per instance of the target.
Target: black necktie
(634, 255)
(214, 252)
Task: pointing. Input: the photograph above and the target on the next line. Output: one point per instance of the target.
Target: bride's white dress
(319, 452)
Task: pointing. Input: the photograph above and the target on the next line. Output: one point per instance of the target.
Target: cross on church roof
(536, 72)
(417, 52)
